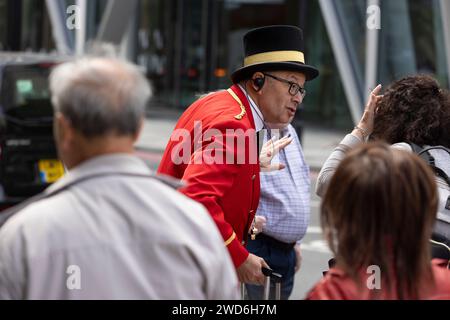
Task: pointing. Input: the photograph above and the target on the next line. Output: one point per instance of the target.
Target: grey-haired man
(109, 229)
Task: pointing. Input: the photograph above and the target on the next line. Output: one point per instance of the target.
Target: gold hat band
(275, 56)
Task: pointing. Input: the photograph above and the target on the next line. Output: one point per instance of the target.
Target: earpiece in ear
(259, 83)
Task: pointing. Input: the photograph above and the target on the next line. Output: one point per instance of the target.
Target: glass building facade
(412, 40)
(189, 47)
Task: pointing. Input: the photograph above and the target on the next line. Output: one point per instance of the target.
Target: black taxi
(28, 156)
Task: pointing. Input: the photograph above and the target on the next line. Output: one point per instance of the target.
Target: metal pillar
(345, 64)
(80, 33)
(371, 54)
(63, 37)
(445, 11)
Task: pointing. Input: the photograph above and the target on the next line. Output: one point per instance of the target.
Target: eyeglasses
(294, 88)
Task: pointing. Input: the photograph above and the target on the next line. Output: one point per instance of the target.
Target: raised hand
(269, 150)
(365, 125)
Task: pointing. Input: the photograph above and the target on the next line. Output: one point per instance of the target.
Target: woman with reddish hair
(377, 215)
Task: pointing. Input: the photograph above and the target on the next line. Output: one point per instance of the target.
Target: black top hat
(274, 48)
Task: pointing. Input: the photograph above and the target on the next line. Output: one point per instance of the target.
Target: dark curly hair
(413, 109)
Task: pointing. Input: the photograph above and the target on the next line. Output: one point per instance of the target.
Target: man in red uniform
(213, 147)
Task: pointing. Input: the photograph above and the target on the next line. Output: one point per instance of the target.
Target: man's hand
(250, 271)
(260, 223)
(298, 257)
(269, 150)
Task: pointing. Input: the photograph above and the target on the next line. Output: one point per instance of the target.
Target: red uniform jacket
(219, 126)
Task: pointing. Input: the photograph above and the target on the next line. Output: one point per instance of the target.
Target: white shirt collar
(257, 115)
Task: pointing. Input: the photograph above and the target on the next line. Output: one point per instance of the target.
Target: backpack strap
(440, 250)
(441, 173)
(415, 147)
(425, 154)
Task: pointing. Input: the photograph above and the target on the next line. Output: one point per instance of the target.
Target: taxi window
(26, 86)
(25, 92)
(31, 86)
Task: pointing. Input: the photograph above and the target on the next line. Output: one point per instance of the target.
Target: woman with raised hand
(412, 112)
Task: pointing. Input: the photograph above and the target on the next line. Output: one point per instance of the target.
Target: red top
(336, 285)
(229, 190)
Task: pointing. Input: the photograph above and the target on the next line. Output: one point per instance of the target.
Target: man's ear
(258, 80)
(62, 131)
(139, 130)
